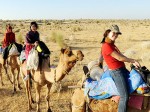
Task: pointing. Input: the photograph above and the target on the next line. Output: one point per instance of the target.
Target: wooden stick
(71, 87)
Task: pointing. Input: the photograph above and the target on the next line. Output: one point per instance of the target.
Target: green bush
(58, 38)
(19, 38)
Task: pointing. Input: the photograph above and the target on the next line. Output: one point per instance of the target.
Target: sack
(43, 49)
(12, 50)
(22, 55)
(94, 70)
(142, 89)
(33, 60)
(19, 47)
(144, 72)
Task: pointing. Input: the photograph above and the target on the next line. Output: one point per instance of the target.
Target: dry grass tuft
(146, 45)
(59, 39)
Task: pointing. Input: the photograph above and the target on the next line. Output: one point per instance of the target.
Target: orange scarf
(108, 40)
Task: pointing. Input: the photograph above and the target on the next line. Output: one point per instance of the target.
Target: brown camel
(47, 76)
(13, 64)
(79, 100)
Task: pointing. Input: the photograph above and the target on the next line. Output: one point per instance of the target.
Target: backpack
(43, 50)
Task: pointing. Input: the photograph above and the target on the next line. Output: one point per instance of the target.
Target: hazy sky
(74, 9)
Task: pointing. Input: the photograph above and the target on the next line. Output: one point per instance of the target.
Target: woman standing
(115, 62)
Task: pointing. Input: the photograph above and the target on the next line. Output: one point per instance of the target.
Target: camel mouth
(80, 58)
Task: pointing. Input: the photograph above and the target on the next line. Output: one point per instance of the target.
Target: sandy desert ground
(78, 34)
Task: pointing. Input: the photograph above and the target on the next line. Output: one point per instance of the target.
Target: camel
(13, 64)
(1, 80)
(79, 101)
(46, 76)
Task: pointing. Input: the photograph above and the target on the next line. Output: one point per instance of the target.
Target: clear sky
(74, 9)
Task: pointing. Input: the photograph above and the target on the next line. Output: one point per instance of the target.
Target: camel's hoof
(49, 110)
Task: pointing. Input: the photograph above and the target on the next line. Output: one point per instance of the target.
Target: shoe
(26, 78)
(85, 70)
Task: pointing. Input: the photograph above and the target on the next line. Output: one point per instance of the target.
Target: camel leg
(28, 94)
(26, 83)
(13, 79)
(38, 89)
(18, 84)
(29, 85)
(1, 80)
(47, 97)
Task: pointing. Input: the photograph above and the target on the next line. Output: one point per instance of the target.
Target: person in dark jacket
(31, 40)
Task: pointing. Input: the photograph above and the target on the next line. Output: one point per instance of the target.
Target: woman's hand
(36, 43)
(136, 64)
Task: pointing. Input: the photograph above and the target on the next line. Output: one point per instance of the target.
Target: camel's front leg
(47, 97)
(18, 84)
(38, 89)
(28, 94)
(6, 72)
(13, 79)
(1, 80)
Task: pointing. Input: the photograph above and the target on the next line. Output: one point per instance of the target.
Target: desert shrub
(58, 38)
(76, 29)
(146, 45)
(19, 38)
(17, 30)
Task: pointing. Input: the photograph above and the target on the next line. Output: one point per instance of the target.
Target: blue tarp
(105, 87)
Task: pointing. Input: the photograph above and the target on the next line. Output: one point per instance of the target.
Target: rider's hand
(136, 64)
(36, 43)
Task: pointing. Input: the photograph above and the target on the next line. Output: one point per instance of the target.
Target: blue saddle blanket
(105, 87)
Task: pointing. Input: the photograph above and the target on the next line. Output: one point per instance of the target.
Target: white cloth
(13, 50)
(33, 60)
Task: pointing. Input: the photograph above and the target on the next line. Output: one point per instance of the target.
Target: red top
(107, 49)
(8, 39)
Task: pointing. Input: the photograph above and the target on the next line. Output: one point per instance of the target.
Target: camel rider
(32, 38)
(9, 38)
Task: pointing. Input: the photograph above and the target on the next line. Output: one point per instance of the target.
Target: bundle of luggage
(100, 85)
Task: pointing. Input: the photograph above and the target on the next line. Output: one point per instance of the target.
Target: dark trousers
(5, 53)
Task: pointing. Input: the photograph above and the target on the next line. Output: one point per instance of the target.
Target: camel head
(78, 54)
(70, 57)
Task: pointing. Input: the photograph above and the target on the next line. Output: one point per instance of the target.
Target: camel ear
(68, 51)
